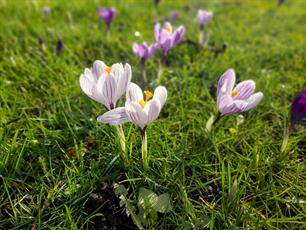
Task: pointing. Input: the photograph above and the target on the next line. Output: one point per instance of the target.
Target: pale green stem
(121, 136)
(162, 65)
(201, 34)
(144, 149)
(212, 121)
(286, 138)
(143, 73)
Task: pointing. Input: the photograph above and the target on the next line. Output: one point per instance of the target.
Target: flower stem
(212, 121)
(287, 131)
(144, 149)
(143, 72)
(162, 65)
(121, 136)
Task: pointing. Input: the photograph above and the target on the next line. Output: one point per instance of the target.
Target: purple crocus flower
(204, 17)
(173, 15)
(59, 47)
(166, 38)
(298, 108)
(107, 15)
(144, 52)
(236, 100)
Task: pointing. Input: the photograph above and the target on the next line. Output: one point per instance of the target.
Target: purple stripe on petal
(226, 82)
(244, 90)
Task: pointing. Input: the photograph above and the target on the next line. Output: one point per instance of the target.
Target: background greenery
(234, 178)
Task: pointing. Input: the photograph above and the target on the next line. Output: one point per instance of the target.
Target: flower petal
(134, 93)
(117, 71)
(253, 100)
(177, 35)
(156, 31)
(123, 81)
(152, 108)
(245, 89)
(90, 89)
(160, 93)
(114, 117)
(136, 114)
(98, 69)
(225, 104)
(226, 82)
(109, 91)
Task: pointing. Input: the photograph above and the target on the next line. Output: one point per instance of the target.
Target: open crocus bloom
(166, 37)
(239, 99)
(143, 51)
(106, 84)
(204, 17)
(138, 109)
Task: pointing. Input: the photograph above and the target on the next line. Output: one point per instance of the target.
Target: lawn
(59, 166)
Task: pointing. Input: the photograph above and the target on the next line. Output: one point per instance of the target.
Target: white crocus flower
(138, 109)
(106, 84)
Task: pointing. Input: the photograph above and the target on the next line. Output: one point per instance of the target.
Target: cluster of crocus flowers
(238, 99)
(107, 15)
(166, 37)
(141, 108)
(144, 52)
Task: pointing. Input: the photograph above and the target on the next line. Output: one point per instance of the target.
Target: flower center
(169, 28)
(234, 93)
(108, 69)
(148, 95)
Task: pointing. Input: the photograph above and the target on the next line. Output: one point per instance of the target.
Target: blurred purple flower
(173, 15)
(298, 108)
(204, 17)
(165, 38)
(281, 2)
(107, 15)
(59, 47)
(239, 99)
(46, 10)
(144, 52)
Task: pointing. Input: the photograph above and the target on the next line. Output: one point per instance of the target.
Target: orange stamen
(108, 69)
(234, 93)
(148, 95)
(142, 103)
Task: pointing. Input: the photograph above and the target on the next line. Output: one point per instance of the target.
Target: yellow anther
(234, 93)
(169, 28)
(148, 95)
(142, 103)
(108, 69)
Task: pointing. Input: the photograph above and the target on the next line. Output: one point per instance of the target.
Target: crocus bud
(107, 15)
(204, 17)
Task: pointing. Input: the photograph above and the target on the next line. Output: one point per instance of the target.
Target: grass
(224, 180)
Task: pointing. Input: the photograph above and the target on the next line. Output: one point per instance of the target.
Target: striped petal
(244, 90)
(253, 100)
(114, 117)
(124, 81)
(109, 91)
(152, 109)
(226, 83)
(160, 93)
(134, 93)
(136, 114)
(98, 69)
